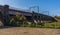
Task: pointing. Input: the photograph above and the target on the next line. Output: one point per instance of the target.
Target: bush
(40, 25)
(17, 20)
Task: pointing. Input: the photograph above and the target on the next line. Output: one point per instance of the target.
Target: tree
(17, 20)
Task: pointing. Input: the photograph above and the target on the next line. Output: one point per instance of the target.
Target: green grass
(52, 25)
(40, 25)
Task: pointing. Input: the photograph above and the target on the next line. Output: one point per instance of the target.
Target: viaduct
(6, 12)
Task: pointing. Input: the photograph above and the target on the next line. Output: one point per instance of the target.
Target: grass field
(52, 25)
(46, 25)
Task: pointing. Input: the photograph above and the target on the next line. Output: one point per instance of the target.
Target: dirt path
(29, 31)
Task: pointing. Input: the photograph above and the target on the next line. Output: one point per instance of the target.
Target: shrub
(17, 20)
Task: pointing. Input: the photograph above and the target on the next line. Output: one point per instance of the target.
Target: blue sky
(53, 6)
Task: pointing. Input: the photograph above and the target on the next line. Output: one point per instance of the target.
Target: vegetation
(19, 21)
(52, 25)
(57, 17)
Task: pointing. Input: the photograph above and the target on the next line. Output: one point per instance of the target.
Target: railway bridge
(6, 12)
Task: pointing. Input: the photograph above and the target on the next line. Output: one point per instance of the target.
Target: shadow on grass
(3, 27)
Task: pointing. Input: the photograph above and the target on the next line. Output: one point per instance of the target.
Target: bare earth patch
(29, 31)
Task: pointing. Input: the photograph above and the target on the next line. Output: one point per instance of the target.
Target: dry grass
(29, 31)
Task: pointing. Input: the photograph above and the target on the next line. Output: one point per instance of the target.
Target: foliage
(52, 25)
(57, 17)
(17, 20)
(39, 25)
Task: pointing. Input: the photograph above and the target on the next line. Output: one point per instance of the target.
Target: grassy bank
(39, 25)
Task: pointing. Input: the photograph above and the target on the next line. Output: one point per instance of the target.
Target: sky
(45, 6)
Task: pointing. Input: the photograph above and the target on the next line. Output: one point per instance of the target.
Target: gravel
(29, 31)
